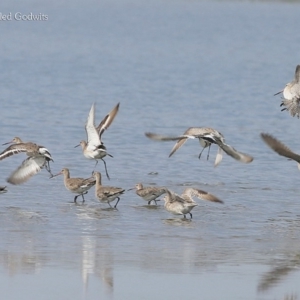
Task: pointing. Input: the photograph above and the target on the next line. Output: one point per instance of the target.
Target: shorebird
(182, 205)
(106, 194)
(291, 95)
(280, 148)
(292, 88)
(78, 186)
(39, 157)
(94, 147)
(3, 189)
(149, 193)
(206, 136)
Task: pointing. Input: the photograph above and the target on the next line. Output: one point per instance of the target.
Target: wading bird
(106, 194)
(78, 186)
(182, 205)
(149, 193)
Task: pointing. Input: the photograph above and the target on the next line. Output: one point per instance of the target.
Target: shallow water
(171, 65)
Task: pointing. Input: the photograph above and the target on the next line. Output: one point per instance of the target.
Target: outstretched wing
(29, 167)
(13, 149)
(180, 140)
(279, 147)
(92, 134)
(108, 119)
(163, 138)
(200, 194)
(242, 157)
(173, 197)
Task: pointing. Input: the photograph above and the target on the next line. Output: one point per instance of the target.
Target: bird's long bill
(131, 189)
(77, 146)
(56, 174)
(278, 93)
(109, 154)
(7, 143)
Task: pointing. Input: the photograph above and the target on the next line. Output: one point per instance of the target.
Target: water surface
(171, 65)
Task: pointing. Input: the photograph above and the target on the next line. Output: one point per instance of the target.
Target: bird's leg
(208, 151)
(75, 198)
(117, 202)
(47, 167)
(201, 152)
(149, 202)
(109, 204)
(191, 215)
(105, 168)
(184, 216)
(95, 166)
(82, 196)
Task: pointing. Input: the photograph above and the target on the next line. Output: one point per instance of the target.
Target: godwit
(206, 136)
(280, 148)
(94, 147)
(148, 193)
(106, 194)
(182, 205)
(78, 186)
(3, 189)
(292, 88)
(291, 95)
(39, 157)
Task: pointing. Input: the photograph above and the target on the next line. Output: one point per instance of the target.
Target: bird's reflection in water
(26, 263)
(279, 273)
(179, 222)
(97, 261)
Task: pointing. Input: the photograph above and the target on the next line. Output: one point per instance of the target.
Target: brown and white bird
(182, 205)
(106, 194)
(206, 137)
(94, 147)
(79, 186)
(291, 95)
(39, 157)
(280, 148)
(149, 193)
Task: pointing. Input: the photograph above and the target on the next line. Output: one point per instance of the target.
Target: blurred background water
(171, 65)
